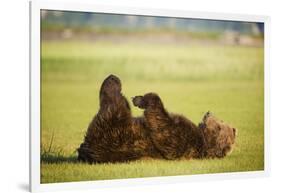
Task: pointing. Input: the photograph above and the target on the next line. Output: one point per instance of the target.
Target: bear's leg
(109, 137)
(167, 136)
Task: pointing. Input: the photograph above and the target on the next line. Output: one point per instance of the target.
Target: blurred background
(143, 46)
(94, 26)
(195, 65)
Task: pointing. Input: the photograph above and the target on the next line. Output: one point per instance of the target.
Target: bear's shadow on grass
(51, 158)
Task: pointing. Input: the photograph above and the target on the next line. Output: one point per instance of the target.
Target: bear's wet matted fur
(115, 136)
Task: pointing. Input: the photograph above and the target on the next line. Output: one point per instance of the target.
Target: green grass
(191, 79)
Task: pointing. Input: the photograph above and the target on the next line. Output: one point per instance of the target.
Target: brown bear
(176, 136)
(115, 136)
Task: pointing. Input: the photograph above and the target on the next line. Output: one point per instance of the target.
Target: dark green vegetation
(191, 79)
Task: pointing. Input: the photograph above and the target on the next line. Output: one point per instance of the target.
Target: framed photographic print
(128, 96)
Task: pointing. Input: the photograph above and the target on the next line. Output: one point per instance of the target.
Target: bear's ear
(206, 116)
(234, 131)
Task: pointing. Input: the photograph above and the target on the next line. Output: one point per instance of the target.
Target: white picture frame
(36, 6)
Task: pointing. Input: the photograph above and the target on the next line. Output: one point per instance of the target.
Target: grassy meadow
(191, 79)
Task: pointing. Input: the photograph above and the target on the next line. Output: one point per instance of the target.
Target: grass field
(191, 79)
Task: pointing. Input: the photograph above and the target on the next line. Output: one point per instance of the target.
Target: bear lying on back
(176, 136)
(115, 136)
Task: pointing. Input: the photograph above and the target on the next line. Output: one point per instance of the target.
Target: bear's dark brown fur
(176, 136)
(115, 136)
(173, 135)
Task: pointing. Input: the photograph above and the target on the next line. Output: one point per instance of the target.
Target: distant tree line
(99, 20)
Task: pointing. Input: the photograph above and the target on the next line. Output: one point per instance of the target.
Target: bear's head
(219, 136)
